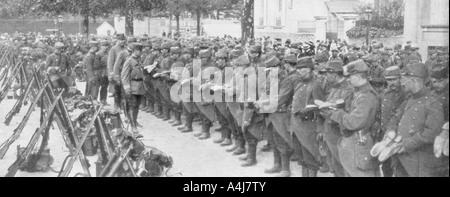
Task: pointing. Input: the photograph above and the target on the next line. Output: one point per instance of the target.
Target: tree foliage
(387, 14)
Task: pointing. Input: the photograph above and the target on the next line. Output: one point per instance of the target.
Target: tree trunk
(129, 19)
(177, 18)
(248, 26)
(199, 15)
(85, 14)
(218, 14)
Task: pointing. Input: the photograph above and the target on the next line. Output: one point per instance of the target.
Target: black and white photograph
(224, 88)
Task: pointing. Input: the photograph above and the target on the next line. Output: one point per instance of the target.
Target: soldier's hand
(439, 144)
(245, 126)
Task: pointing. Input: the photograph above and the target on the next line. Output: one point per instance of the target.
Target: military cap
(335, 66)
(291, 59)
(94, 43)
(296, 45)
(221, 54)
(132, 40)
(104, 43)
(188, 50)
(175, 50)
(319, 58)
(305, 46)
(358, 66)
(242, 60)
(392, 72)
(204, 45)
(416, 69)
(156, 46)
(333, 50)
(272, 62)
(59, 45)
(439, 71)
(166, 45)
(322, 68)
(384, 53)
(206, 53)
(305, 62)
(136, 46)
(147, 44)
(120, 36)
(235, 53)
(408, 48)
(255, 49)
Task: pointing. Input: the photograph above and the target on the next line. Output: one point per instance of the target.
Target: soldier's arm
(395, 120)
(126, 76)
(117, 65)
(432, 128)
(357, 119)
(88, 62)
(111, 61)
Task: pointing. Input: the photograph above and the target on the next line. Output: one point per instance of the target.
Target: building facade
(427, 24)
(304, 20)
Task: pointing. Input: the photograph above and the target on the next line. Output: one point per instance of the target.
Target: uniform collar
(421, 93)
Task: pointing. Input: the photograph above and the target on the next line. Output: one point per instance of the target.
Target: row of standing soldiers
(372, 95)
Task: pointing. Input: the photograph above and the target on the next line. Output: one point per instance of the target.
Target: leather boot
(294, 158)
(166, 114)
(236, 146)
(159, 113)
(266, 148)
(227, 134)
(150, 108)
(219, 141)
(276, 163)
(205, 132)
(187, 124)
(177, 119)
(251, 161)
(219, 129)
(158, 110)
(241, 148)
(285, 166)
(245, 158)
(325, 168)
(305, 171)
(143, 106)
(187, 129)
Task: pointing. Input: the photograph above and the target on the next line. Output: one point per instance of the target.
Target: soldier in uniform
(57, 66)
(164, 64)
(418, 121)
(340, 90)
(150, 95)
(351, 56)
(304, 120)
(391, 99)
(189, 107)
(253, 124)
(101, 58)
(176, 71)
(118, 65)
(431, 60)
(439, 79)
(93, 71)
(133, 84)
(335, 56)
(112, 57)
(357, 124)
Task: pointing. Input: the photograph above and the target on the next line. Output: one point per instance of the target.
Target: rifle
(69, 166)
(9, 81)
(5, 146)
(16, 109)
(12, 170)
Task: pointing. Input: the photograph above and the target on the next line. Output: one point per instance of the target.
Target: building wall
(427, 24)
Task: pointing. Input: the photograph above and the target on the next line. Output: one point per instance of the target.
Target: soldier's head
(165, 48)
(221, 58)
(104, 45)
(392, 76)
(136, 49)
(334, 71)
(175, 53)
(120, 40)
(413, 77)
(94, 46)
(439, 76)
(59, 47)
(335, 53)
(290, 62)
(255, 51)
(305, 68)
(188, 53)
(356, 73)
(205, 55)
(385, 55)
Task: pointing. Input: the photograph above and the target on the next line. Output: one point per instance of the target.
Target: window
(278, 22)
(108, 32)
(280, 5)
(261, 22)
(291, 4)
(306, 27)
